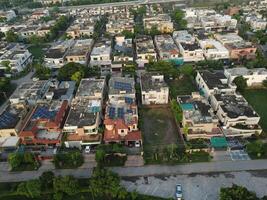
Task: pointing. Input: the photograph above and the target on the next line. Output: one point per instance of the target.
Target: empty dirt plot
(158, 127)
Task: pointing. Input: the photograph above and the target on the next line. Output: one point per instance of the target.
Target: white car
(178, 192)
(87, 149)
(137, 144)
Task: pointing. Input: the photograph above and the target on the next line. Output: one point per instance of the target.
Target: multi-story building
(188, 46)
(17, 57)
(167, 49)
(145, 50)
(154, 90)
(228, 38)
(213, 50)
(80, 51)
(236, 115)
(43, 127)
(199, 120)
(55, 56)
(81, 29)
(210, 83)
(38, 14)
(241, 50)
(162, 22)
(85, 115)
(256, 23)
(252, 76)
(101, 53)
(121, 119)
(123, 50)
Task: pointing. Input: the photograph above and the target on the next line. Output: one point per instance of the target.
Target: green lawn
(258, 100)
(182, 86)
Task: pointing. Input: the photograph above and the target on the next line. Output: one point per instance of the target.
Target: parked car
(178, 192)
(87, 149)
(137, 144)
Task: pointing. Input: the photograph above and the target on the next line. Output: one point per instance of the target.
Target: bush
(68, 160)
(237, 193)
(257, 149)
(177, 111)
(23, 161)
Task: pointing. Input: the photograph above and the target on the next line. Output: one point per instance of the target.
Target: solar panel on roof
(120, 112)
(112, 112)
(123, 86)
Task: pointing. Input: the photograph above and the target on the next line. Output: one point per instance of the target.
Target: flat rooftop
(214, 79)
(152, 81)
(117, 85)
(235, 105)
(90, 87)
(243, 71)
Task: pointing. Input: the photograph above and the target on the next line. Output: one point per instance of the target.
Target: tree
(187, 70)
(164, 67)
(6, 65)
(42, 72)
(257, 149)
(100, 156)
(264, 83)
(178, 17)
(35, 40)
(237, 193)
(65, 185)
(15, 160)
(127, 34)
(31, 188)
(241, 83)
(153, 31)
(105, 184)
(77, 76)
(2, 35)
(46, 180)
(11, 36)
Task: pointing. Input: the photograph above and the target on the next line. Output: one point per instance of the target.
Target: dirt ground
(159, 127)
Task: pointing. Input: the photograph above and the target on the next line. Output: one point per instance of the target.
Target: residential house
(213, 50)
(145, 50)
(188, 46)
(162, 22)
(199, 120)
(253, 76)
(85, 114)
(154, 90)
(119, 23)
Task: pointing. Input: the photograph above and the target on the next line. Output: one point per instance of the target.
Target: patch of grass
(257, 98)
(181, 86)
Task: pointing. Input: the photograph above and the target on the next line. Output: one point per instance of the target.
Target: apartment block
(162, 22)
(123, 50)
(101, 53)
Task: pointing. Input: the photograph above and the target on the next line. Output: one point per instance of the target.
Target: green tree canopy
(46, 180)
(31, 188)
(241, 83)
(65, 185)
(237, 193)
(11, 36)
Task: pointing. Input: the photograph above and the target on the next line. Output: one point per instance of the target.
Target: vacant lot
(182, 86)
(258, 99)
(158, 126)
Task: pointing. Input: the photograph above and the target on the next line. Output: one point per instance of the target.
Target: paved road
(127, 3)
(150, 170)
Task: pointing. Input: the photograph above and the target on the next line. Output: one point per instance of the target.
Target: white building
(228, 38)
(8, 15)
(210, 83)
(101, 53)
(253, 76)
(213, 50)
(154, 90)
(188, 46)
(236, 115)
(18, 58)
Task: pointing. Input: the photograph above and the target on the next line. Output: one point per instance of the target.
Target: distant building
(162, 22)
(154, 90)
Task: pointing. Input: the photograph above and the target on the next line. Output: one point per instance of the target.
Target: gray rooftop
(152, 81)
